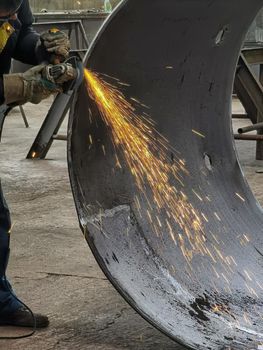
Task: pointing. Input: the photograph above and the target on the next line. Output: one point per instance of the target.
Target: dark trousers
(8, 302)
(5, 222)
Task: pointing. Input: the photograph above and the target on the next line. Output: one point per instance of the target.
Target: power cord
(29, 310)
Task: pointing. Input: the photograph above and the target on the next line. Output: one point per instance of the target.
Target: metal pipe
(60, 137)
(178, 58)
(254, 127)
(249, 137)
(240, 116)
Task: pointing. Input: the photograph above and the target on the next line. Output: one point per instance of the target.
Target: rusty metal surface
(215, 301)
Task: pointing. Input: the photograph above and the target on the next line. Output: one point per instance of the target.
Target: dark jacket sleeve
(27, 40)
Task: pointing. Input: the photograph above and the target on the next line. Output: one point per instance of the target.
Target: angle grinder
(68, 74)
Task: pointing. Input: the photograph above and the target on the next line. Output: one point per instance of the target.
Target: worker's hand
(30, 86)
(57, 44)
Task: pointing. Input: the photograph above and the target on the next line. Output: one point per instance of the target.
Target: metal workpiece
(200, 283)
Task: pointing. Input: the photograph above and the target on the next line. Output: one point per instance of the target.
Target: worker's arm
(33, 48)
(31, 86)
(36, 84)
(25, 50)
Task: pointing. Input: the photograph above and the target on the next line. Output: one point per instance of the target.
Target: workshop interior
(131, 157)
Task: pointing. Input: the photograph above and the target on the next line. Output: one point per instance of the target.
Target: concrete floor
(51, 266)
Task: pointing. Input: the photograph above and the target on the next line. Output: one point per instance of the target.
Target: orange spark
(147, 154)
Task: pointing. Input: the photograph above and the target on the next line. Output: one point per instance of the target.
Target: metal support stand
(61, 105)
(4, 110)
(24, 116)
(250, 92)
(254, 127)
(51, 126)
(259, 150)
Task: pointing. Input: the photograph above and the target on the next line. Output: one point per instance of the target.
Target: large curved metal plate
(179, 57)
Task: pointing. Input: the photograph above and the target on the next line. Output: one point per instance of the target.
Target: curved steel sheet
(179, 58)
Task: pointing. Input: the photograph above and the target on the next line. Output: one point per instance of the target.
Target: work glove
(31, 86)
(57, 44)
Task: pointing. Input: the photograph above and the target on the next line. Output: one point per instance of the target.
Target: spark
(246, 238)
(198, 196)
(123, 84)
(227, 281)
(247, 274)
(135, 100)
(147, 155)
(217, 216)
(90, 116)
(159, 222)
(149, 215)
(11, 229)
(234, 261)
(198, 133)
(210, 254)
(118, 164)
(203, 215)
(240, 197)
(216, 273)
(220, 308)
(216, 308)
(215, 238)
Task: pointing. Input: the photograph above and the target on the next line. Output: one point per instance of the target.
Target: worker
(18, 40)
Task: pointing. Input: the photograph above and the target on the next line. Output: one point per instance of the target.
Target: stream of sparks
(160, 180)
(147, 154)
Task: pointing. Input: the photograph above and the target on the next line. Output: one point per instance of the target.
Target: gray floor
(51, 266)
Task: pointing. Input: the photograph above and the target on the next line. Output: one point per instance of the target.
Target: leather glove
(30, 86)
(57, 44)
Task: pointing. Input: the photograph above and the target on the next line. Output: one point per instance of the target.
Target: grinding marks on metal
(201, 283)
